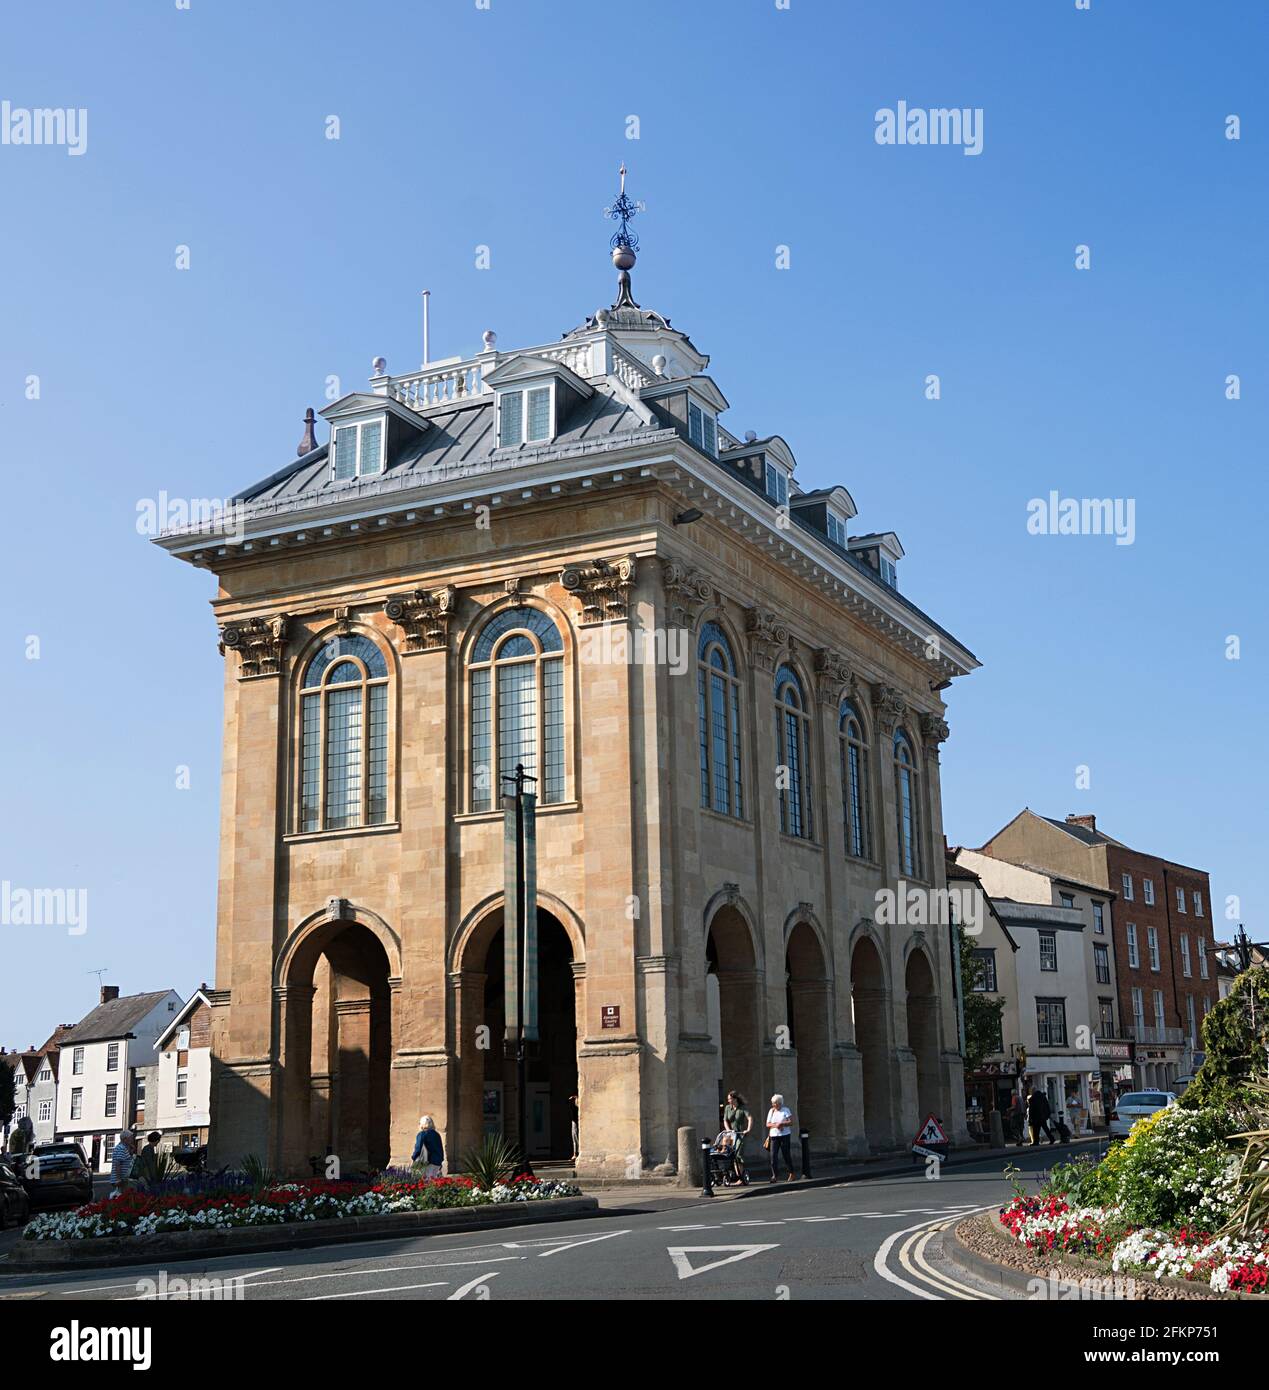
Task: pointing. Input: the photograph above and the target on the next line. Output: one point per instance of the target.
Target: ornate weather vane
(624, 243)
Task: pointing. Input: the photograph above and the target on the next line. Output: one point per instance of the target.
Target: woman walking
(737, 1118)
(428, 1148)
(779, 1136)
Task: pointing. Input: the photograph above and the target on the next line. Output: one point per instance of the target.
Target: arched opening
(488, 1080)
(808, 1004)
(733, 1008)
(923, 1036)
(868, 1006)
(338, 1051)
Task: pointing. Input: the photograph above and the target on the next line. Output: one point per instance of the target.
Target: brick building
(560, 556)
(1161, 918)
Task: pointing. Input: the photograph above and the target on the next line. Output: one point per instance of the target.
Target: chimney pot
(109, 992)
(309, 441)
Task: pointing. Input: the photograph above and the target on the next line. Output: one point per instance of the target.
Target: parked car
(15, 1205)
(1131, 1107)
(59, 1174)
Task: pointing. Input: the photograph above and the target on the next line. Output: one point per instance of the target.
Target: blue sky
(503, 127)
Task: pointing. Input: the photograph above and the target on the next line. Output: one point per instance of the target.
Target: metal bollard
(707, 1185)
(805, 1137)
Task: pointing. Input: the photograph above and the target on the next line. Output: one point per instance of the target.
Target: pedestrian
(738, 1119)
(779, 1136)
(575, 1126)
(145, 1169)
(1017, 1130)
(121, 1160)
(428, 1148)
(1037, 1113)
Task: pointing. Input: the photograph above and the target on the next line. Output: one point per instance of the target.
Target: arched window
(517, 705)
(793, 769)
(907, 804)
(344, 736)
(856, 811)
(718, 699)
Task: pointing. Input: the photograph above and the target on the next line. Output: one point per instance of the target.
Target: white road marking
(680, 1253)
(879, 1265)
(370, 1293)
(381, 1270)
(185, 1293)
(933, 1277)
(573, 1244)
(475, 1283)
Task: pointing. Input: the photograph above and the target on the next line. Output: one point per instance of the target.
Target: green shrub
(1235, 1033)
(491, 1161)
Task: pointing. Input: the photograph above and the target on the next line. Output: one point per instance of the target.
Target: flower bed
(228, 1205)
(1225, 1264)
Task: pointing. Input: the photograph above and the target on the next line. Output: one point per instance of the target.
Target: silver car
(1131, 1107)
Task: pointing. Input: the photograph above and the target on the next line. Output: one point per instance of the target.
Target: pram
(726, 1167)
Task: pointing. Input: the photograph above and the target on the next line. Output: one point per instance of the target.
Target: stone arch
(487, 611)
(733, 999)
(488, 1079)
(870, 1006)
(809, 1009)
(923, 1026)
(334, 982)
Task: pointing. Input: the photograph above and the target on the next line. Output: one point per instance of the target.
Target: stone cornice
(424, 616)
(259, 642)
(603, 587)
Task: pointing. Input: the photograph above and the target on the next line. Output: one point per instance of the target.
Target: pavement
(878, 1237)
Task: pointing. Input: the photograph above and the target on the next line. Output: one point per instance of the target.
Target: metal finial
(624, 243)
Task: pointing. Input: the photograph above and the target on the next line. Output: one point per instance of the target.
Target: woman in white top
(780, 1136)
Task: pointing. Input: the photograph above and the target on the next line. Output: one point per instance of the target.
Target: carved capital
(832, 674)
(934, 731)
(259, 642)
(604, 588)
(424, 616)
(888, 707)
(768, 637)
(687, 591)
(338, 910)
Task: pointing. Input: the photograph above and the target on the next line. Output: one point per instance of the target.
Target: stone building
(561, 557)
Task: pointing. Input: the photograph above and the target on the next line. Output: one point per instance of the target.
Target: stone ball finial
(379, 366)
(489, 339)
(659, 364)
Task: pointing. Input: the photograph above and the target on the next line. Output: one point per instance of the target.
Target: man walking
(1037, 1113)
(121, 1159)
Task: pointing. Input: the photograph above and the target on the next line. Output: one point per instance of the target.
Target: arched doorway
(733, 1009)
(923, 1032)
(337, 1051)
(808, 1005)
(868, 1005)
(488, 1079)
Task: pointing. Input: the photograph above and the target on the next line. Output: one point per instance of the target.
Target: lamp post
(520, 949)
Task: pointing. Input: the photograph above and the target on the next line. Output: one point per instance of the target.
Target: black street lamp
(522, 800)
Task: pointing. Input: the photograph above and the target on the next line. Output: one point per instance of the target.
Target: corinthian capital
(259, 642)
(424, 616)
(934, 731)
(687, 591)
(603, 586)
(832, 674)
(888, 706)
(768, 636)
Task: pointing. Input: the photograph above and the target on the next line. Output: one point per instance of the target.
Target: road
(878, 1239)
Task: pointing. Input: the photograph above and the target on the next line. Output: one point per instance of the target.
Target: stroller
(725, 1167)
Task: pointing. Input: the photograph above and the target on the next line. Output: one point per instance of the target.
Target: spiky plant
(1251, 1205)
(492, 1161)
(258, 1172)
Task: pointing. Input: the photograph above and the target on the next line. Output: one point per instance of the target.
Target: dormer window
(702, 429)
(889, 575)
(836, 530)
(524, 417)
(777, 485)
(357, 450)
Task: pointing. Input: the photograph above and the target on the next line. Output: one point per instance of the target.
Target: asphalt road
(876, 1239)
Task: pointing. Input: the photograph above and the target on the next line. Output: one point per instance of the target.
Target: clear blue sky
(462, 127)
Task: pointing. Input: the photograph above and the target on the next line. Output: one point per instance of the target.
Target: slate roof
(116, 1018)
(458, 439)
(1081, 832)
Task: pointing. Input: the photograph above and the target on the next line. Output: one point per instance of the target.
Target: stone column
(467, 990)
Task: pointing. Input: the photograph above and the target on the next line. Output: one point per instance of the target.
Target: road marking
(188, 1279)
(384, 1269)
(921, 1268)
(680, 1253)
(573, 1244)
(475, 1283)
(932, 1277)
(369, 1293)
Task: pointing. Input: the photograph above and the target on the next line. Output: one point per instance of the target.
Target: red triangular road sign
(930, 1133)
